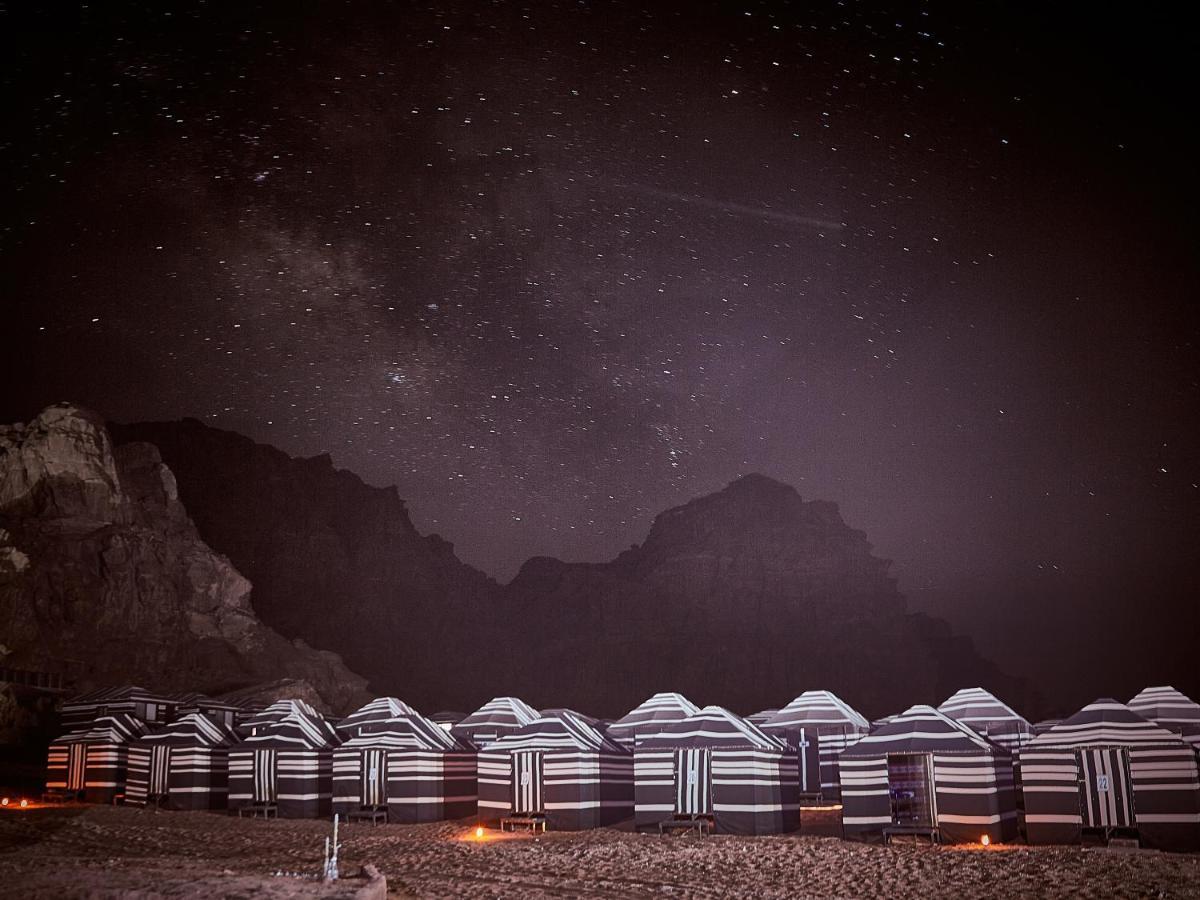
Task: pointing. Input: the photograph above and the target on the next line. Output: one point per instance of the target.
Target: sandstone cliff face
(745, 597)
(104, 576)
(333, 561)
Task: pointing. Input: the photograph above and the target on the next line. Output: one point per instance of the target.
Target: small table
(535, 822)
(374, 814)
(702, 825)
(928, 831)
(254, 810)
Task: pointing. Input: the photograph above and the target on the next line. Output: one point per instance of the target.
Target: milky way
(551, 268)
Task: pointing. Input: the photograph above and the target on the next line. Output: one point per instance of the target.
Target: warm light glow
(479, 831)
(985, 840)
(4, 802)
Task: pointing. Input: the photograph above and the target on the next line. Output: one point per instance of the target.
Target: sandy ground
(112, 851)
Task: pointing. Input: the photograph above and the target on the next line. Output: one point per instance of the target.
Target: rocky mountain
(104, 577)
(745, 597)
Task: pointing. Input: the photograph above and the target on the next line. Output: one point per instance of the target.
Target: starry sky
(552, 268)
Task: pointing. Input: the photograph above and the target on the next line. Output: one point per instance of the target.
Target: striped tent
(1172, 709)
(650, 717)
(407, 765)
(149, 706)
(287, 763)
(560, 767)
(94, 761)
(447, 718)
(381, 709)
(985, 715)
(822, 721)
(184, 766)
(761, 716)
(1108, 771)
(1044, 725)
(496, 718)
(716, 764)
(223, 712)
(925, 773)
(252, 722)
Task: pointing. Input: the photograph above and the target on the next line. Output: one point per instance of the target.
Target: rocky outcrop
(104, 576)
(745, 597)
(335, 562)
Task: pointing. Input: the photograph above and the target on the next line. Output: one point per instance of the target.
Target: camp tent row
(820, 722)
(184, 766)
(93, 762)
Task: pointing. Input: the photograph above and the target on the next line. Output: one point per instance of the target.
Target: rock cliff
(745, 597)
(104, 577)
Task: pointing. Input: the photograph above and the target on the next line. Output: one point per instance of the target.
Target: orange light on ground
(4, 802)
(479, 831)
(985, 840)
(24, 804)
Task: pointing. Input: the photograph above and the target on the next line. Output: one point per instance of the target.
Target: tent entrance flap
(374, 777)
(528, 796)
(1106, 789)
(910, 787)
(160, 768)
(693, 782)
(76, 766)
(265, 789)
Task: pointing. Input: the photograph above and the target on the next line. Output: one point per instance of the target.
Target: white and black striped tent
(493, 720)
(407, 765)
(93, 762)
(717, 764)
(252, 722)
(1107, 771)
(986, 715)
(287, 763)
(223, 712)
(761, 716)
(818, 721)
(650, 717)
(925, 773)
(381, 709)
(184, 766)
(1172, 709)
(559, 767)
(129, 699)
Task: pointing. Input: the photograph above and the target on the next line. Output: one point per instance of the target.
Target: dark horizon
(552, 270)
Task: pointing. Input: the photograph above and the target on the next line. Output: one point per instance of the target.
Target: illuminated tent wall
(650, 717)
(496, 718)
(1173, 710)
(381, 709)
(289, 763)
(985, 715)
(559, 766)
(186, 765)
(829, 725)
(1106, 768)
(924, 768)
(94, 760)
(149, 706)
(408, 764)
(715, 763)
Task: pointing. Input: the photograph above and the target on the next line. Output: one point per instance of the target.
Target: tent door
(527, 782)
(374, 777)
(693, 782)
(808, 760)
(265, 786)
(910, 785)
(76, 766)
(1106, 789)
(160, 767)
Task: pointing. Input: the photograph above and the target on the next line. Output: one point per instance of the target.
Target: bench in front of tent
(535, 822)
(928, 831)
(702, 825)
(375, 815)
(254, 810)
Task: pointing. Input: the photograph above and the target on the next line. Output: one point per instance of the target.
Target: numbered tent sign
(1106, 789)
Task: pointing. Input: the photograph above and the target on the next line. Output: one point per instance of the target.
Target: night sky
(552, 268)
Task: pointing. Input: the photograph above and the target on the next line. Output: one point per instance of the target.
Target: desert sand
(83, 851)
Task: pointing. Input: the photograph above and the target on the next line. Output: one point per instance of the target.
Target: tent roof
(817, 708)
(1165, 705)
(379, 709)
(1103, 722)
(499, 712)
(563, 730)
(194, 729)
(411, 732)
(921, 729)
(976, 707)
(117, 728)
(713, 726)
(653, 713)
(296, 731)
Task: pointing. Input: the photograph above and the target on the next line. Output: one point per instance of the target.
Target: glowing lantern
(479, 831)
(985, 840)
(4, 802)
(24, 803)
